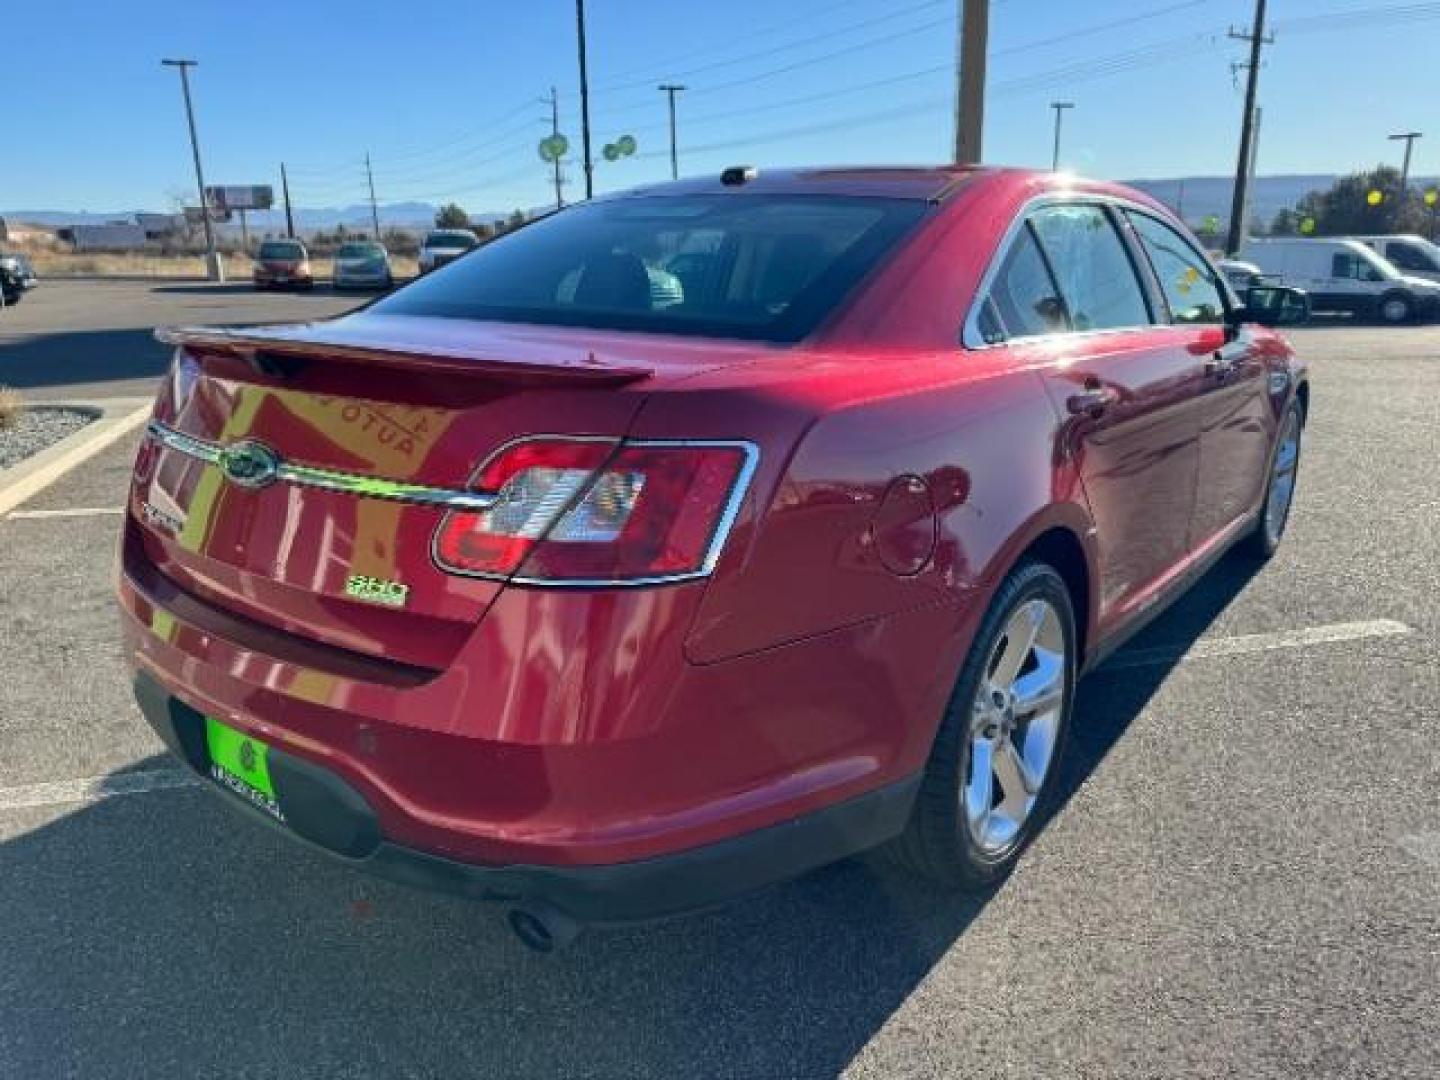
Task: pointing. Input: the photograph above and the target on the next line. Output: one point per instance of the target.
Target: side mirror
(1272, 305)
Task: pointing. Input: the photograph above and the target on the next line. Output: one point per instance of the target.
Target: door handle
(1220, 366)
(1093, 400)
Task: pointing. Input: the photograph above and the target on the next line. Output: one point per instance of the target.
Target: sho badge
(377, 590)
(161, 519)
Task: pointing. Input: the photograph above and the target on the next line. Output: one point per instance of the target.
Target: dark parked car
(17, 276)
(539, 583)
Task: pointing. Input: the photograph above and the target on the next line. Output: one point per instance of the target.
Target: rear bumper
(323, 810)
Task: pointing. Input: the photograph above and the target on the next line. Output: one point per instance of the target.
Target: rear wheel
(993, 769)
(1395, 308)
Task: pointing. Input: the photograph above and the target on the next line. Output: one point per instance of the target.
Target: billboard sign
(243, 197)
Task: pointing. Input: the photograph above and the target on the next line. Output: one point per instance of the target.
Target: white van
(1345, 275)
(1411, 254)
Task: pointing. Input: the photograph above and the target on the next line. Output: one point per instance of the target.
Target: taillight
(599, 512)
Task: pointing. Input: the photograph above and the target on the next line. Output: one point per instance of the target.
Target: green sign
(553, 147)
(626, 145)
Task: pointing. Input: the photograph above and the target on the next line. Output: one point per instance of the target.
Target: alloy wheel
(1282, 478)
(1015, 722)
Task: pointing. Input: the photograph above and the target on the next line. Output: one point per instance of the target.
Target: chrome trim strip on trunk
(328, 479)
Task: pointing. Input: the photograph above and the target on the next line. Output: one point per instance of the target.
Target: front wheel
(1279, 487)
(992, 768)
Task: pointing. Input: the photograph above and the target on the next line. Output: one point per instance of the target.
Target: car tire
(953, 837)
(1264, 540)
(1396, 308)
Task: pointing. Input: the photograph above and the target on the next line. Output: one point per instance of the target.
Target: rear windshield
(276, 249)
(449, 240)
(765, 267)
(359, 251)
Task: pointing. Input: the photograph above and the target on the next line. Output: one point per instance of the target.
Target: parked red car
(693, 537)
(283, 264)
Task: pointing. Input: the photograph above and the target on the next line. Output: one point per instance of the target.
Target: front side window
(1096, 278)
(1185, 277)
(1353, 267)
(1023, 300)
(765, 267)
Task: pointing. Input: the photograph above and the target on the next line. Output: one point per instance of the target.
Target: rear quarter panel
(888, 482)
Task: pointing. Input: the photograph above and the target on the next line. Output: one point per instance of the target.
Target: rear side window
(1411, 257)
(765, 267)
(1185, 276)
(1023, 300)
(1093, 269)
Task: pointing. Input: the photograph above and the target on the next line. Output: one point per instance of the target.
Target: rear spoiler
(281, 350)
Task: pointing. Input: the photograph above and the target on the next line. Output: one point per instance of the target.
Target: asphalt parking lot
(1243, 878)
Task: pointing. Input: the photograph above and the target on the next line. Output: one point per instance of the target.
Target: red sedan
(693, 537)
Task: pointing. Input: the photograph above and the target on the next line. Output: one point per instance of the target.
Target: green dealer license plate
(242, 765)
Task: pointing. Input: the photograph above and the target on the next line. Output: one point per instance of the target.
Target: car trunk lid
(366, 419)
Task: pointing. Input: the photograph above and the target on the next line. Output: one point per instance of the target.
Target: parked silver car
(363, 265)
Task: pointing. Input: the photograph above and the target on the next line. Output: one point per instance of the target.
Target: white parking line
(1240, 644)
(94, 788)
(77, 511)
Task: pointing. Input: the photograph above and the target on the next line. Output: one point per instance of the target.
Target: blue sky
(445, 96)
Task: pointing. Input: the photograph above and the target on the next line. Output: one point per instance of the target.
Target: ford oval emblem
(250, 464)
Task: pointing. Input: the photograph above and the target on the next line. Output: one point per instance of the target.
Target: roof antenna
(736, 175)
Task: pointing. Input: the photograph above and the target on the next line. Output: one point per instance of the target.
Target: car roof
(932, 183)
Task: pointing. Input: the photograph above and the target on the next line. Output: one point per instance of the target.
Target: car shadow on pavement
(158, 934)
(82, 357)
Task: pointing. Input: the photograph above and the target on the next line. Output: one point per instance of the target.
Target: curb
(114, 419)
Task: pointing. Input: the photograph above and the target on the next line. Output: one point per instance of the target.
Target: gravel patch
(37, 429)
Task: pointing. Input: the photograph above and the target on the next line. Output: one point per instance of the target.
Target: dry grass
(11, 406)
(60, 264)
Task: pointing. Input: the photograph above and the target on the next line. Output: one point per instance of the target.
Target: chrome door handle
(1219, 365)
(1092, 400)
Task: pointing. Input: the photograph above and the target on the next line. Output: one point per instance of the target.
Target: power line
(774, 50)
(822, 10)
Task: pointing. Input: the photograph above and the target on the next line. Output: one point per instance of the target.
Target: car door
(1236, 426)
(1069, 294)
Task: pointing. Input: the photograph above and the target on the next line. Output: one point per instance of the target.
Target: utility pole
(1257, 39)
(1250, 166)
(970, 80)
(670, 90)
(374, 210)
(584, 100)
(285, 189)
(554, 133)
(1409, 138)
(213, 270)
(1059, 107)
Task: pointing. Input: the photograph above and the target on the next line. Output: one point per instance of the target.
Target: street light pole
(670, 90)
(1409, 138)
(213, 270)
(1059, 107)
(374, 210)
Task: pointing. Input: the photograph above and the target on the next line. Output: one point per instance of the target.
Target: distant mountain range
(1194, 197)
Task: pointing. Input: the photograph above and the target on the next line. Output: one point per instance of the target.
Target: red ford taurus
(697, 536)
